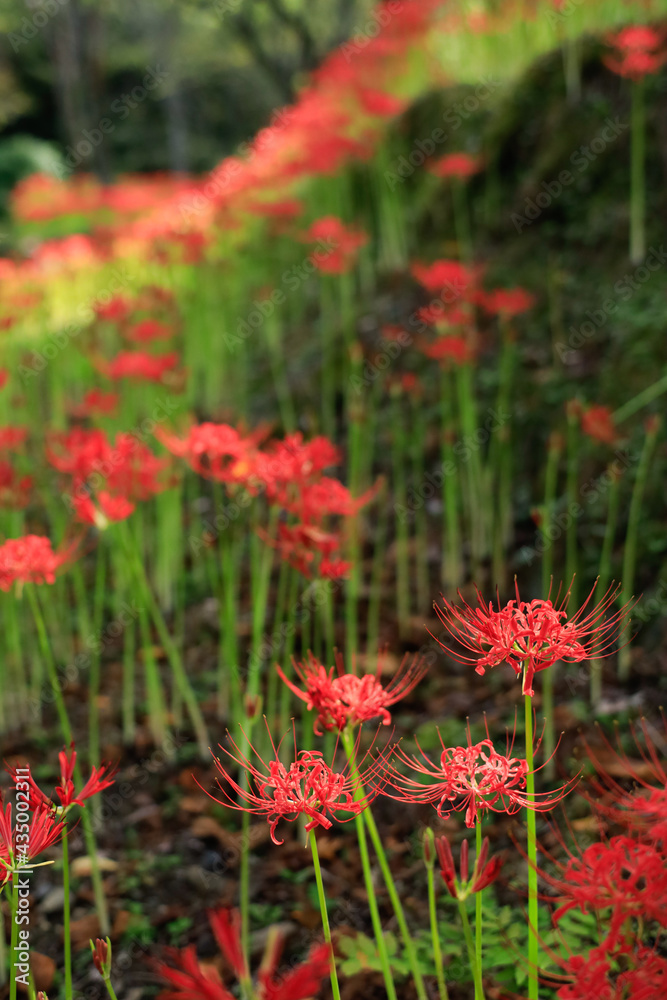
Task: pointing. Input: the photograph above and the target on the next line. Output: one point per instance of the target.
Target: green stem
(402, 533)
(550, 484)
(396, 903)
(435, 935)
(470, 945)
(110, 990)
(47, 657)
(533, 941)
(67, 938)
(642, 399)
(637, 174)
(244, 884)
(452, 570)
(630, 550)
(348, 743)
(604, 570)
(335, 989)
(478, 898)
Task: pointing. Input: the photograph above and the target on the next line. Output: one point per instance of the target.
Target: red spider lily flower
(637, 52)
(506, 301)
(642, 809)
(597, 422)
(532, 635)
(139, 365)
(446, 275)
(625, 876)
(216, 451)
(226, 927)
(114, 311)
(96, 403)
(18, 848)
(342, 244)
(334, 569)
(100, 778)
(110, 509)
(30, 559)
(147, 331)
(459, 165)
(449, 351)
(12, 438)
(308, 787)
(300, 545)
(346, 699)
(597, 976)
(79, 452)
(485, 870)
(102, 956)
(475, 778)
(379, 104)
(190, 981)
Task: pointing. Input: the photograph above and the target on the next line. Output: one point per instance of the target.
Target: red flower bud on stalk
(485, 870)
(102, 956)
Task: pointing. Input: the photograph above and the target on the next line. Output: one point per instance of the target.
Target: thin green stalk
(452, 570)
(572, 493)
(244, 883)
(408, 943)
(462, 218)
(348, 744)
(631, 537)
(637, 174)
(478, 898)
(470, 945)
(402, 534)
(379, 563)
(550, 485)
(95, 656)
(128, 685)
(47, 658)
(67, 938)
(169, 646)
(110, 990)
(604, 569)
(531, 824)
(335, 989)
(435, 935)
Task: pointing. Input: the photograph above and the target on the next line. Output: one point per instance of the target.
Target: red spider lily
(531, 636)
(305, 547)
(12, 438)
(637, 52)
(380, 104)
(285, 467)
(597, 422)
(345, 699)
(147, 331)
(443, 315)
(109, 509)
(344, 242)
(449, 350)
(96, 403)
(216, 451)
(139, 365)
(14, 489)
(190, 981)
(79, 452)
(102, 956)
(474, 778)
(460, 165)
(485, 870)
(30, 559)
(624, 876)
(506, 301)
(114, 311)
(100, 778)
(334, 569)
(308, 787)
(18, 848)
(450, 276)
(642, 809)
